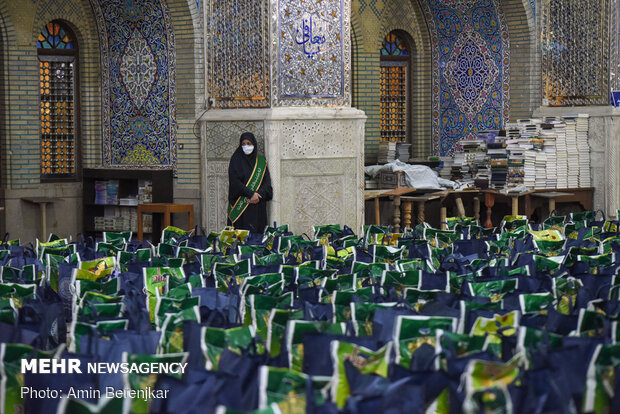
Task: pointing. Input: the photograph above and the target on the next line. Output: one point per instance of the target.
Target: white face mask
(247, 149)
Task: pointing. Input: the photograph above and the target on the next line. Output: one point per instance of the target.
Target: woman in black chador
(249, 186)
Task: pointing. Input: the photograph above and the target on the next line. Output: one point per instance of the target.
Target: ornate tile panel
(575, 52)
(311, 52)
(470, 69)
(138, 76)
(238, 53)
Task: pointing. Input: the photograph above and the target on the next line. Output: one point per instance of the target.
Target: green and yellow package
(413, 264)
(510, 223)
(412, 331)
(486, 385)
(117, 239)
(171, 340)
(326, 230)
(505, 325)
(51, 268)
(365, 360)
(601, 379)
(98, 311)
(495, 289)
(535, 302)
(172, 235)
(224, 272)
(143, 383)
(295, 331)
(341, 302)
(276, 325)
(565, 291)
(362, 315)
(271, 284)
(347, 282)
(110, 287)
(268, 260)
(287, 390)
(108, 249)
(215, 340)
(386, 254)
(11, 376)
(99, 328)
(590, 323)
(257, 311)
(40, 246)
(18, 292)
(228, 236)
(460, 345)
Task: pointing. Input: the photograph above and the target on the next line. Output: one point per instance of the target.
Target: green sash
(256, 179)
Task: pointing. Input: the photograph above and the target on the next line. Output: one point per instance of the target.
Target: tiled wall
(514, 93)
(371, 20)
(20, 146)
(19, 131)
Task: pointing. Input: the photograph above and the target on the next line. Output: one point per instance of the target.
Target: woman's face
(246, 142)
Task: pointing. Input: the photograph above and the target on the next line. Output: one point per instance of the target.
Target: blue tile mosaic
(138, 72)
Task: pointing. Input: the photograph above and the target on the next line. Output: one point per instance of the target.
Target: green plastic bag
(486, 385)
(144, 382)
(215, 340)
(412, 331)
(295, 331)
(11, 377)
(365, 360)
(287, 390)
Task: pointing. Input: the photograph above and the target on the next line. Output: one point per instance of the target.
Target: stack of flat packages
(561, 153)
(460, 168)
(529, 168)
(387, 152)
(583, 150)
(516, 160)
(402, 151)
(498, 159)
(548, 135)
(572, 152)
(445, 167)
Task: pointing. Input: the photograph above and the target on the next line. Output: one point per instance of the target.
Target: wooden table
(533, 199)
(552, 196)
(419, 200)
(583, 196)
(166, 209)
(42, 202)
(393, 192)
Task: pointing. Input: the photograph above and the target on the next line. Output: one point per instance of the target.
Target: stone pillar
(289, 85)
(604, 140)
(315, 158)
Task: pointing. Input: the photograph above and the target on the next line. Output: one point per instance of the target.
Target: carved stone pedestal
(315, 158)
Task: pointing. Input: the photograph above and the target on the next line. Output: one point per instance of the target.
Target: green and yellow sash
(256, 179)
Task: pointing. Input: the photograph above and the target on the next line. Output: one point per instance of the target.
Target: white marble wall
(604, 140)
(315, 158)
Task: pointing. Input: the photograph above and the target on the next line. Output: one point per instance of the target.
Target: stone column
(289, 85)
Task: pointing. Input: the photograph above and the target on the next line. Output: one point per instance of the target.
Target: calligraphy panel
(238, 53)
(312, 46)
(575, 52)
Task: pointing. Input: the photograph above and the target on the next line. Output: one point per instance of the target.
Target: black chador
(241, 169)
